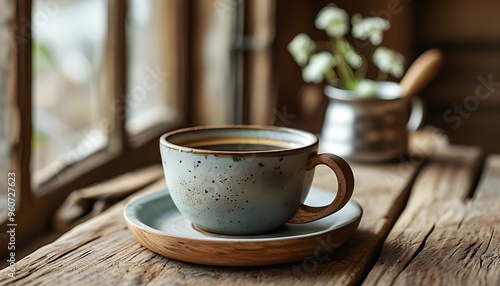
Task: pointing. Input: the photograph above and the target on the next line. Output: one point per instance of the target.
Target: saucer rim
(223, 238)
(220, 251)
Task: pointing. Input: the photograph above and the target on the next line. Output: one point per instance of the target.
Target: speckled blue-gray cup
(246, 180)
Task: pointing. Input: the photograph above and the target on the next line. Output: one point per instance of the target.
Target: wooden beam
(439, 239)
(21, 126)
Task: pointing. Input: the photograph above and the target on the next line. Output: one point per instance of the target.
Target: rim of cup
(304, 140)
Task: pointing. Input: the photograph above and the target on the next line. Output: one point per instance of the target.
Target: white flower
(333, 20)
(351, 56)
(301, 48)
(371, 28)
(366, 88)
(388, 61)
(318, 66)
(354, 60)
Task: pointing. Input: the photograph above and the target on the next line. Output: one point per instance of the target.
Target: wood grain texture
(102, 250)
(85, 203)
(20, 120)
(448, 233)
(5, 126)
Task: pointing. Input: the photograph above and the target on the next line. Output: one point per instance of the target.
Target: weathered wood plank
(482, 222)
(102, 250)
(85, 203)
(5, 41)
(445, 236)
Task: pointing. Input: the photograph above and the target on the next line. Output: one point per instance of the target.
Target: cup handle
(345, 180)
(416, 115)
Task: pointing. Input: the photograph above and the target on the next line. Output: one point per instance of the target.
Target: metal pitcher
(370, 129)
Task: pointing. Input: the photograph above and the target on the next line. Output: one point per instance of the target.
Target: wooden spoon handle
(421, 72)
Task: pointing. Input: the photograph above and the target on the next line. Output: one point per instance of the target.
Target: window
(71, 105)
(85, 95)
(69, 51)
(151, 89)
(90, 85)
(98, 82)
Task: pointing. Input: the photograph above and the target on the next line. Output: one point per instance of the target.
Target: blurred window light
(149, 99)
(69, 45)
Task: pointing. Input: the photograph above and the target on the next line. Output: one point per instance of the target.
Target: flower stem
(331, 76)
(345, 72)
(363, 70)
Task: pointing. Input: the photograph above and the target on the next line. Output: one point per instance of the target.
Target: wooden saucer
(158, 225)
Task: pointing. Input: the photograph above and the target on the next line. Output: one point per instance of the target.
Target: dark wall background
(468, 33)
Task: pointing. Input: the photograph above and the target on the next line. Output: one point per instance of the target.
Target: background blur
(88, 86)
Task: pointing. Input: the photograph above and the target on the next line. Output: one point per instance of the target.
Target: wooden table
(431, 218)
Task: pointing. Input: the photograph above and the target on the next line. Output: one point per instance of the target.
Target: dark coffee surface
(239, 147)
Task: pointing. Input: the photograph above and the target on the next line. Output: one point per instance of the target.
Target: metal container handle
(417, 114)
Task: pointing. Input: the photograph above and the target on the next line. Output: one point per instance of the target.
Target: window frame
(123, 152)
(250, 58)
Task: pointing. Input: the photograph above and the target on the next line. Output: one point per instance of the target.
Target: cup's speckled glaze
(238, 191)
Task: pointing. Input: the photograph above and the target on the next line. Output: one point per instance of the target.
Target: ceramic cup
(245, 180)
